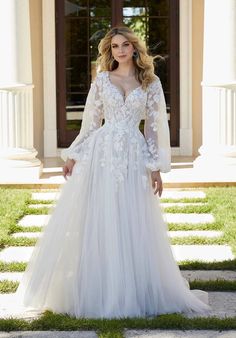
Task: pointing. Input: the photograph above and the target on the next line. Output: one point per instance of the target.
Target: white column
(18, 160)
(218, 150)
(49, 76)
(185, 78)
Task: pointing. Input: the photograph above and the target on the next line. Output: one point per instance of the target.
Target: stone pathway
(208, 275)
(188, 274)
(27, 234)
(179, 334)
(34, 220)
(168, 193)
(189, 218)
(223, 303)
(205, 253)
(180, 204)
(49, 334)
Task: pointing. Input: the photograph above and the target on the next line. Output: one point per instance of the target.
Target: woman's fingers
(68, 167)
(158, 187)
(65, 171)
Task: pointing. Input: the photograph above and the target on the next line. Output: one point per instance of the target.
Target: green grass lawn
(13, 206)
(112, 328)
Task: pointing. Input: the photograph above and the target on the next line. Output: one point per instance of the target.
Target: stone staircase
(223, 303)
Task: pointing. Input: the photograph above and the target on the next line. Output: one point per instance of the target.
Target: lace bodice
(105, 101)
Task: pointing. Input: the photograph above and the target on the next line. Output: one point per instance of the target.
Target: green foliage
(193, 265)
(12, 267)
(7, 286)
(13, 203)
(41, 202)
(115, 327)
(199, 209)
(214, 285)
(185, 199)
(40, 211)
(223, 204)
(19, 241)
(12, 324)
(197, 226)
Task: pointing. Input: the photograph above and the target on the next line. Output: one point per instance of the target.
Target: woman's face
(121, 49)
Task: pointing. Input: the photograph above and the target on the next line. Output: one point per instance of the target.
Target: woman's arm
(157, 135)
(92, 120)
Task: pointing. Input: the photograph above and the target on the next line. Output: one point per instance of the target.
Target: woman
(105, 252)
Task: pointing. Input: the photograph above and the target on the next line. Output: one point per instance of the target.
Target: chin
(125, 60)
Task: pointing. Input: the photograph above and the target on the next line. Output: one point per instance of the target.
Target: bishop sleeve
(156, 129)
(92, 119)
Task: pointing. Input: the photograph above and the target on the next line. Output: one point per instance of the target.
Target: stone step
(190, 275)
(45, 196)
(178, 334)
(27, 234)
(16, 254)
(181, 204)
(11, 276)
(171, 234)
(206, 275)
(41, 220)
(197, 233)
(40, 206)
(206, 253)
(34, 220)
(189, 218)
(163, 205)
(173, 194)
(47, 334)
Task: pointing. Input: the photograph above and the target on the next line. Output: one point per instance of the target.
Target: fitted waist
(123, 124)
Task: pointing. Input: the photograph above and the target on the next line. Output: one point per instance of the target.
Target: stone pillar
(218, 150)
(18, 162)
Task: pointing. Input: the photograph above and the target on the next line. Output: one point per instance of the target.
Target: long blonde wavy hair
(144, 67)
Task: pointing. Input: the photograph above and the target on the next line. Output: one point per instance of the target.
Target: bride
(105, 252)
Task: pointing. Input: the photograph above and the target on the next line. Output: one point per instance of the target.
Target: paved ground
(179, 334)
(128, 334)
(50, 334)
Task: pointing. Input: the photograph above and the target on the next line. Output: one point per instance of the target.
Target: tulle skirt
(105, 252)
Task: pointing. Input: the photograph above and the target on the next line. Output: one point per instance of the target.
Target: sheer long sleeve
(156, 129)
(92, 119)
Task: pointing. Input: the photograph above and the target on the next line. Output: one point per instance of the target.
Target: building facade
(48, 62)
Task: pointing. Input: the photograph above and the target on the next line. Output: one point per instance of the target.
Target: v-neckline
(124, 97)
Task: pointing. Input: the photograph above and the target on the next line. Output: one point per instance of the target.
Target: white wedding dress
(105, 251)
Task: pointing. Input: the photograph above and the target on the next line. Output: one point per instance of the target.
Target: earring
(135, 54)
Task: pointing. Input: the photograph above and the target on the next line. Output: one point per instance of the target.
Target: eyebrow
(113, 43)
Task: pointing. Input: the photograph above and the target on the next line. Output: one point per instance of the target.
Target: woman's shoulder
(156, 80)
(98, 79)
(155, 84)
(102, 74)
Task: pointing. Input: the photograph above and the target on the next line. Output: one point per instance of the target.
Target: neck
(126, 70)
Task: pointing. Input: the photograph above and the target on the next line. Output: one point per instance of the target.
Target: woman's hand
(68, 167)
(157, 182)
